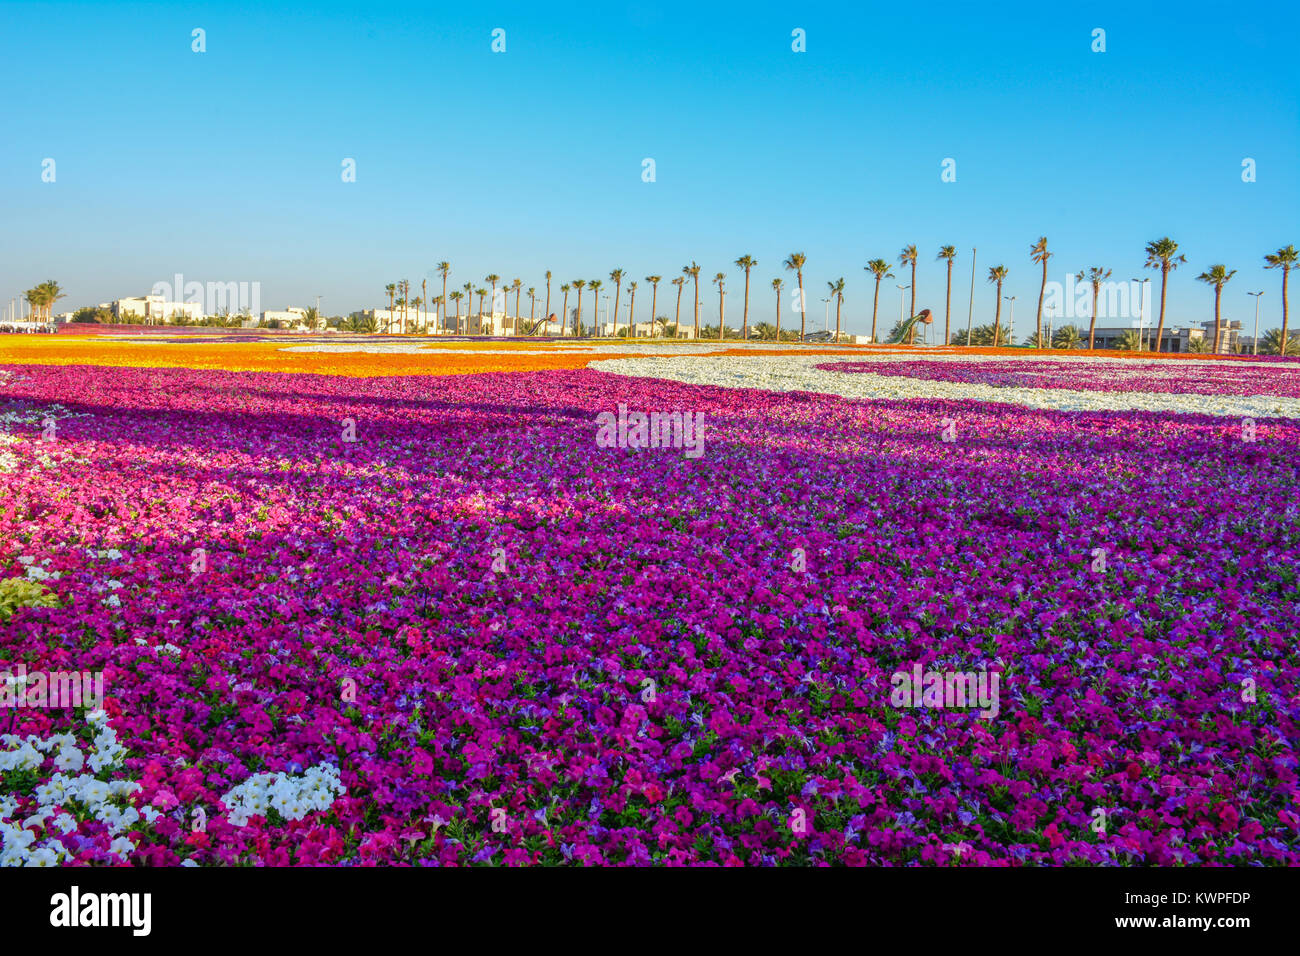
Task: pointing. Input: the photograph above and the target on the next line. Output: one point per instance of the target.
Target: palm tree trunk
(997, 317)
(1286, 271)
(1218, 296)
(947, 309)
(677, 319)
(1092, 324)
(654, 301)
(839, 302)
(913, 300)
(875, 306)
(1042, 291)
(744, 334)
(697, 307)
(778, 316)
(1164, 283)
(803, 308)
(618, 287)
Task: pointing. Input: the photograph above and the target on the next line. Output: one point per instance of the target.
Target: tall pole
(1011, 322)
(1256, 295)
(970, 313)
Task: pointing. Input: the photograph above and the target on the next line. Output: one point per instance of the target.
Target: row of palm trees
(42, 297)
(1161, 254)
(401, 303)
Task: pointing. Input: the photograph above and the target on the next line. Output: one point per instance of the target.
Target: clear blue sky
(226, 165)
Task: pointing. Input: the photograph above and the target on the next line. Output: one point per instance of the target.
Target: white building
(292, 317)
(153, 309)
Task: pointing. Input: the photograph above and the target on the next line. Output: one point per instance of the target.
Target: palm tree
(1127, 341)
(481, 292)
(1162, 254)
(441, 305)
(765, 331)
(720, 281)
(950, 254)
(654, 298)
(746, 263)
(416, 303)
(469, 303)
(594, 285)
(1067, 337)
(518, 286)
(1271, 343)
(51, 292)
(456, 297)
(677, 319)
(391, 289)
(997, 274)
(493, 279)
(616, 277)
(406, 304)
(880, 269)
(1038, 253)
(444, 270)
(1217, 276)
(795, 263)
(693, 270)
(778, 284)
(578, 284)
(836, 289)
(906, 257)
(1284, 259)
(631, 309)
(1201, 344)
(1096, 275)
(564, 315)
(532, 305)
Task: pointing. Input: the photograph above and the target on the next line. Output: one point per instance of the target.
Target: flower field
(368, 608)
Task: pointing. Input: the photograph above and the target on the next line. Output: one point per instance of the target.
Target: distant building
(291, 317)
(1172, 340)
(153, 309)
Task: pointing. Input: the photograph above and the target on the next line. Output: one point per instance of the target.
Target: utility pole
(1257, 295)
(970, 314)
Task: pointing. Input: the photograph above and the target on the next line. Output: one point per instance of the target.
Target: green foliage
(19, 592)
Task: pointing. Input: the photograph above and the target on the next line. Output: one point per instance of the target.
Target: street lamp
(1257, 295)
(1011, 321)
(1142, 312)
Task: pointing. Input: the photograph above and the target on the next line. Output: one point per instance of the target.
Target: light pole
(970, 312)
(1011, 320)
(1256, 295)
(1142, 311)
(827, 300)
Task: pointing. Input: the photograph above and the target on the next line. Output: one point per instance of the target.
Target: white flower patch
(292, 796)
(789, 373)
(62, 799)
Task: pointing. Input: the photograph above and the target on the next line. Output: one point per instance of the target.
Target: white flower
(70, 758)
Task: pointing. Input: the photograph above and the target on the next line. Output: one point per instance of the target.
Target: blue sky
(226, 165)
